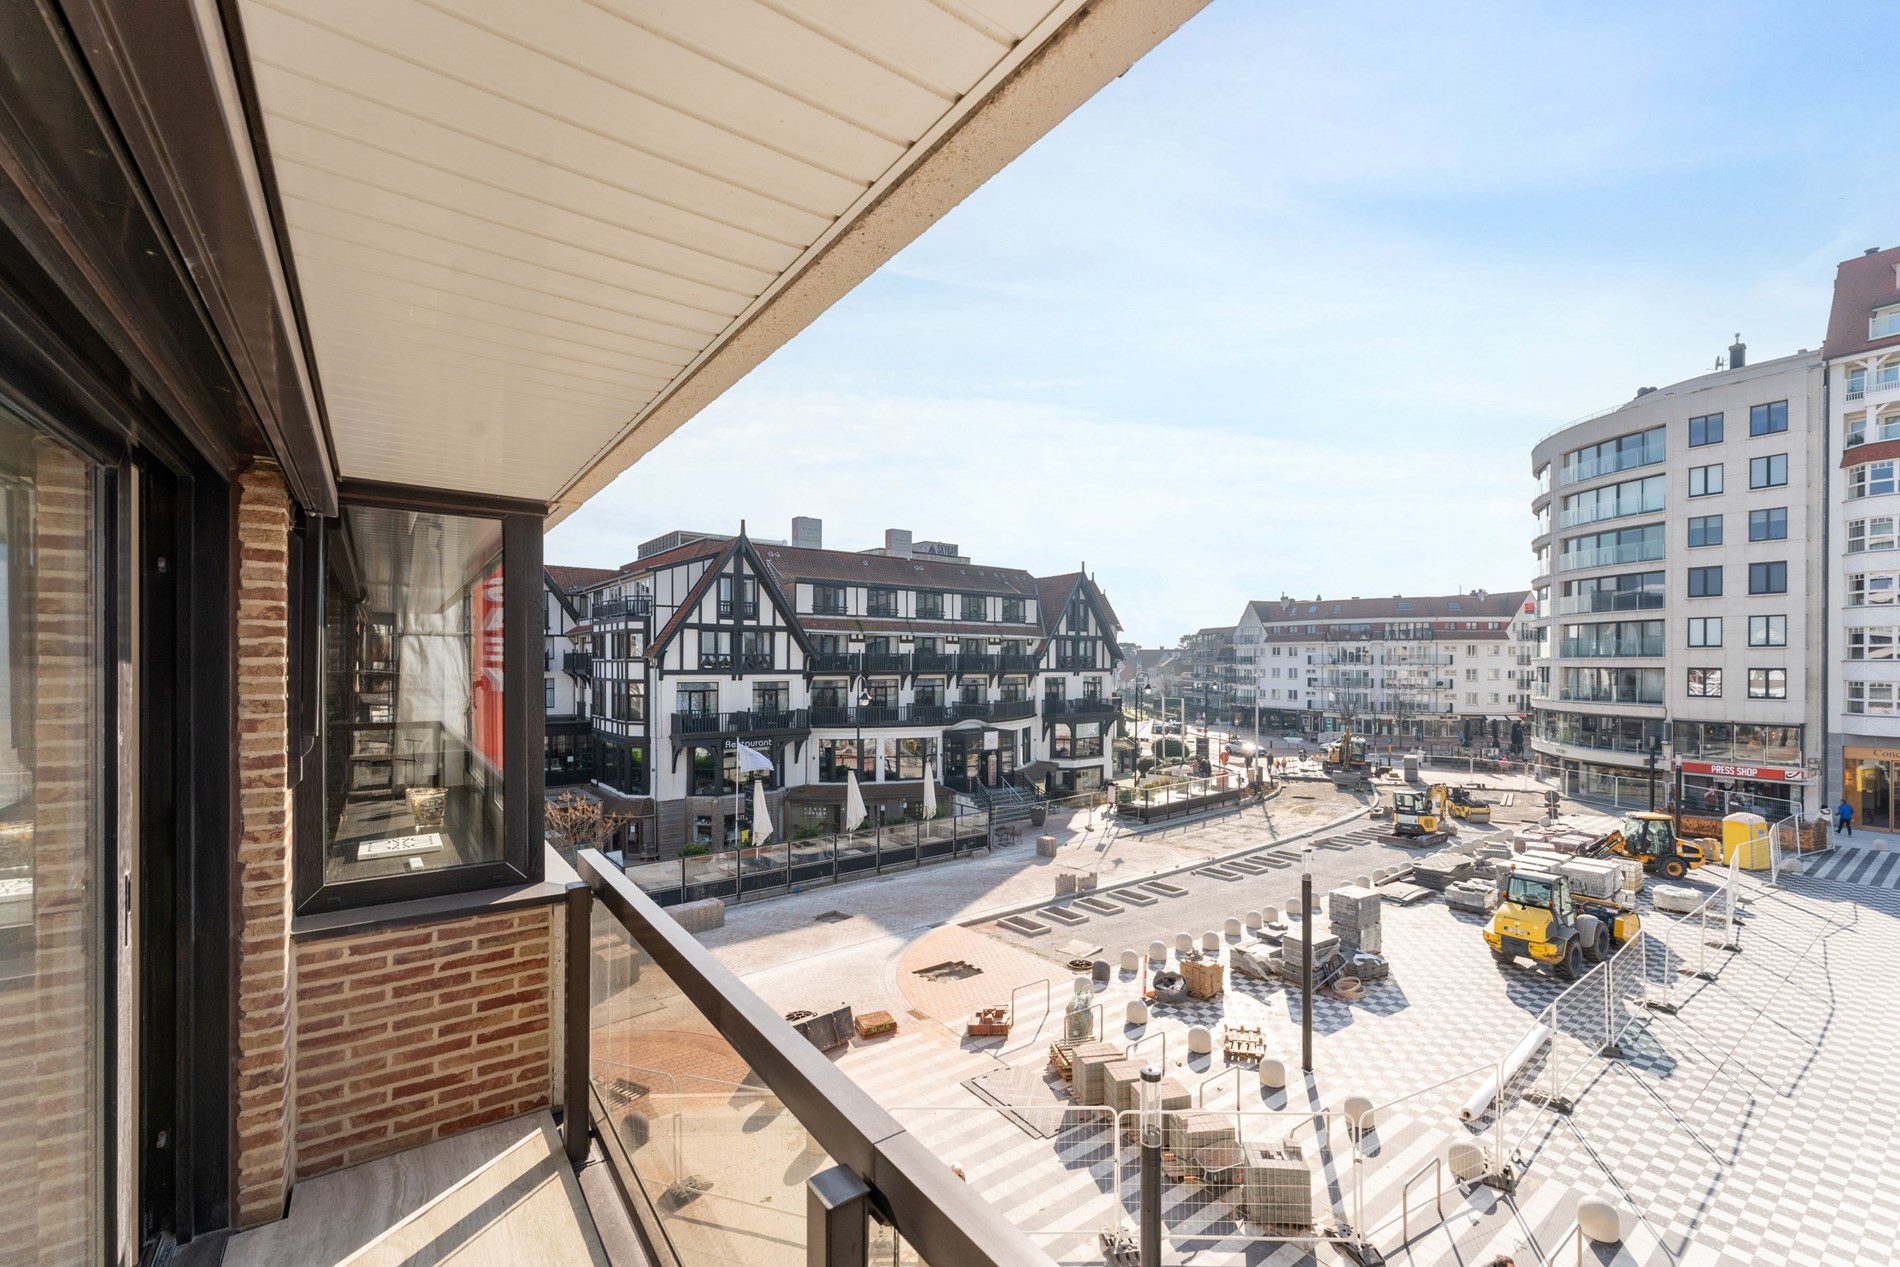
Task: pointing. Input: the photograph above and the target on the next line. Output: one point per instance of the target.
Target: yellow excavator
(1416, 815)
(1346, 761)
(1543, 920)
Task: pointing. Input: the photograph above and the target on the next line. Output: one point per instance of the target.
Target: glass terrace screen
(412, 693)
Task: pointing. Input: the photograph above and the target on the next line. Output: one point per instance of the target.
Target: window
(419, 709)
(1768, 472)
(771, 697)
(1767, 631)
(1471, 675)
(1705, 582)
(1705, 683)
(1870, 534)
(1768, 684)
(1705, 430)
(1767, 419)
(975, 607)
(1614, 501)
(1625, 545)
(1013, 611)
(1871, 479)
(1705, 631)
(1876, 643)
(1870, 697)
(1705, 530)
(1872, 589)
(748, 596)
(1768, 578)
(929, 606)
(550, 693)
(828, 600)
(1768, 525)
(1705, 481)
(1884, 322)
(880, 602)
(1639, 448)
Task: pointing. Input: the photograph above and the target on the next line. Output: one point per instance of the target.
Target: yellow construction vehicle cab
(1650, 837)
(1415, 814)
(1542, 920)
(1348, 752)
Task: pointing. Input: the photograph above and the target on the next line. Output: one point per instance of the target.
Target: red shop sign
(1728, 771)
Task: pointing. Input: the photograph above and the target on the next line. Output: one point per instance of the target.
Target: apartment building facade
(1862, 570)
(1678, 589)
(1444, 668)
(567, 671)
(897, 667)
(1208, 684)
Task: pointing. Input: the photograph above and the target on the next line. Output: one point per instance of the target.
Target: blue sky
(1284, 308)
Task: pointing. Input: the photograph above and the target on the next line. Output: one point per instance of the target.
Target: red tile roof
(569, 579)
(1861, 285)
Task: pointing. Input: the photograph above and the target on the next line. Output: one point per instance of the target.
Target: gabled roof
(1054, 593)
(568, 579)
(740, 544)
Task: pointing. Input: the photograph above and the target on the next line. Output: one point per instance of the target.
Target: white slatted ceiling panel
(516, 223)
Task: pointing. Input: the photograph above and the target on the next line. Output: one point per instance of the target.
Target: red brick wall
(264, 845)
(412, 1034)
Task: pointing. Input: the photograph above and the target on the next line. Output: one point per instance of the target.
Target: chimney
(808, 533)
(1872, 250)
(897, 542)
(1737, 352)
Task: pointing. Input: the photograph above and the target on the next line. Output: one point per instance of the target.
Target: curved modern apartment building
(1678, 589)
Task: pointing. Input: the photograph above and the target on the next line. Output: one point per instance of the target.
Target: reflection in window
(413, 693)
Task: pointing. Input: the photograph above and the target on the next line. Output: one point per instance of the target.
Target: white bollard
(1210, 940)
(1200, 1040)
(1272, 1073)
(1131, 961)
(1157, 952)
(1253, 920)
(1184, 943)
(1137, 1012)
(1233, 927)
(1269, 915)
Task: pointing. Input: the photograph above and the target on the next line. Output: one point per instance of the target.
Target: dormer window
(1885, 322)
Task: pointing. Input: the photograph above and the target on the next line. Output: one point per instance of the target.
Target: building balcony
(1619, 601)
(831, 662)
(971, 710)
(751, 721)
(1628, 648)
(640, 605)
(746, 611)
(885, 661)
(1012, 709)
(1076, 663)
(579, 663)
(737, 662)
(932, 662)
(1101, 706)
(1016, 662)
(650, 988)
(976, 662)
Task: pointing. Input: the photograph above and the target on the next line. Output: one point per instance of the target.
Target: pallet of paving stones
(1204, 979)
(1440, 871)
(1350, 906)
(1477, 896)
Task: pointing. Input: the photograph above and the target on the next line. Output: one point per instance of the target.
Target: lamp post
(1655, 754)
(1306, 958)
(1151, 1167)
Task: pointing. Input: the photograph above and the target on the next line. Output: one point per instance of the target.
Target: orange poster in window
(486, 660)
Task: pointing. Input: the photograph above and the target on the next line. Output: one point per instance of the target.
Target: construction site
(1533, 1031)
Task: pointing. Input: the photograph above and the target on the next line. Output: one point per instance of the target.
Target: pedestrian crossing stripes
(1870, 868)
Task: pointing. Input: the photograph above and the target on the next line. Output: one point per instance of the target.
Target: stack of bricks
(263, 853)
(407, 1035)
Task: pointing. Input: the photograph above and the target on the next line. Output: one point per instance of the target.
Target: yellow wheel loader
(1542, 920)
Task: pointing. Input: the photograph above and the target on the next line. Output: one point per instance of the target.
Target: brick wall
(264, 844)
(412, 1034)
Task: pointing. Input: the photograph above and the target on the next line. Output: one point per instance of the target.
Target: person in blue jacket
(1844, 818)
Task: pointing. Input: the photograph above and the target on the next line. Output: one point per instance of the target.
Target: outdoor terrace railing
(885, 661)
(975, 662)
(579, 663)
(1016, 662)
(831, 662)
(967, 710)
(1084, 707)
(714, 1113)
(746, 721)
(607, 608)
(931, 662)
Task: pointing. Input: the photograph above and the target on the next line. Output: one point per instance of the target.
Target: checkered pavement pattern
(1875, 868)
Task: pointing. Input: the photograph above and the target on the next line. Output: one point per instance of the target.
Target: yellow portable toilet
(1747, 833)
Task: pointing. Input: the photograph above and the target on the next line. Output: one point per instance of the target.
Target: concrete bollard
(1272, 1073)
(1254, 920)
(1233, 927)
(1363, 881)
(1269, 915)
(1184, 943)
(1157, 952)
(1131, 961)
(1200, 1040)
(1137, 1012)
(1210, 940)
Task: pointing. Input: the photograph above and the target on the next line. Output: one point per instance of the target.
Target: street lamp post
(1306, 958)
(1655, 754)
(1150, 1123)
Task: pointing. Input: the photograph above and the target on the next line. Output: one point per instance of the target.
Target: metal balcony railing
(1016, 662)
(610, 608)
(968, 710)
(1075, 662)
(1012, 709)
(884, 661)
(746, 721)
(647, 986)
(975, 662)
(831, 662)
(747, 610)
(931, 662)
(579, 663)
(1101, 706)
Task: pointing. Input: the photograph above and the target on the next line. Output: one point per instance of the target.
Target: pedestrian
(1844, 818)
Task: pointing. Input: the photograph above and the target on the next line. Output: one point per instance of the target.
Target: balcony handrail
(937, 1213)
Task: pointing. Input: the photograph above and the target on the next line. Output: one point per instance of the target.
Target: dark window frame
(1764, 518)
(1702, 575)
(1768, 576)
(524, 722)
(1703, 522)
(1766, 465)
(1762, 419)
(1710, 423)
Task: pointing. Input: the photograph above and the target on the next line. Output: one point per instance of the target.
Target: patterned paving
(1737, 1127)
(1876, 867)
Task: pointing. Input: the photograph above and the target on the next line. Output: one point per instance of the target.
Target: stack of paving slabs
(1277, 1190)
(1186, 1133)
(1354, 914)
(1121, 1085)
(1368, 967)
(1203, 977)
(1599, 878)
(1439, 871)
(1478, 896)
(1325, 949)
(1089, 1059)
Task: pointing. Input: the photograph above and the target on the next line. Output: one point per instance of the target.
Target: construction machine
(1542, 918)
(1461, 802)
(1416, 814)
(1346, 761)
(1650, 837)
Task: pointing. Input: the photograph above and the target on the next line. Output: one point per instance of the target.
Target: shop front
(1867, 781)
(1719, 788)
